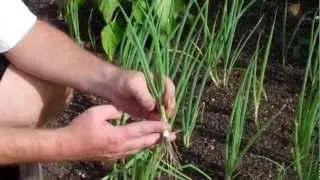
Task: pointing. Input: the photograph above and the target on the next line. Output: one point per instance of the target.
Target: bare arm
(30, 145)
(49, 54)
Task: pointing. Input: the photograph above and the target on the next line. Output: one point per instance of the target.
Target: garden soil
(282, 86)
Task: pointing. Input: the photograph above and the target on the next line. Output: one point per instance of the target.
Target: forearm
(33, 145)
(49, 54)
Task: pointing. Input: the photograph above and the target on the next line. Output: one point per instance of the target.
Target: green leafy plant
(167, 11)
(111, 36)
(308, 113)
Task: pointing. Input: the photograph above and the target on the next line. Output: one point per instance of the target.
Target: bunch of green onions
(182, 58)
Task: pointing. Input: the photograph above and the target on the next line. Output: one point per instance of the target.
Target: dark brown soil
(208, 143)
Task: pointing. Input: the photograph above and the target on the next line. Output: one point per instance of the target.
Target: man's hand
(131, 94)
(91, 136)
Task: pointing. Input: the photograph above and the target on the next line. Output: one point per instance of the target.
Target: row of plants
(306, 154)
(178, 39)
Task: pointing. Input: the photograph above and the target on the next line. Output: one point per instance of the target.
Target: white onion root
(166, 135)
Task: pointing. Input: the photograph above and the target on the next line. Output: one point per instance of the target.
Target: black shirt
(4, 63)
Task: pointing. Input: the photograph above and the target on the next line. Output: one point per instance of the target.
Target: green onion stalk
(308, 113)
(258, 84)
(71, 17)
(182, 56)
(154, 66)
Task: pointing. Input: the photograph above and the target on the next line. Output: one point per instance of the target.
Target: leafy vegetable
(108, 7)
(111, 37)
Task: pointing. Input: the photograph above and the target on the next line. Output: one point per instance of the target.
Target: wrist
(105, 81)
(72, 147)
(58, 147)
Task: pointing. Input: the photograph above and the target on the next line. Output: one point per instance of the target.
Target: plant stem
(163, 114)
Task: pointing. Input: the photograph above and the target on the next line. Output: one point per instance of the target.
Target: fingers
(142, 128)
(140, 91)
(138, 136)
(169, 97)
(139, 144)
(103, 112)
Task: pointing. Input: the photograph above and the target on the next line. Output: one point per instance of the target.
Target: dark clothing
(7, 172)
(4, 63)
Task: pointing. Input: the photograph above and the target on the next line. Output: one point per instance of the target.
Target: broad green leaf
(163, 9)
(107, 8)
(111, 37)
(138, 9)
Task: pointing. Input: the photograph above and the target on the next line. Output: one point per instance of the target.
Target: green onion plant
(223, 51)
(306, 154)
(236, 123)
(182, 59)
(233, 151)
(91, 35)
(284, 33)
(258, 80)
(70, 12)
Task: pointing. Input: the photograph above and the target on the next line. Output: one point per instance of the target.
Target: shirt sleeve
(16, 20)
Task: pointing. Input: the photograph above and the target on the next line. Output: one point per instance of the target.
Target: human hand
(131, 94)
(92, 137)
